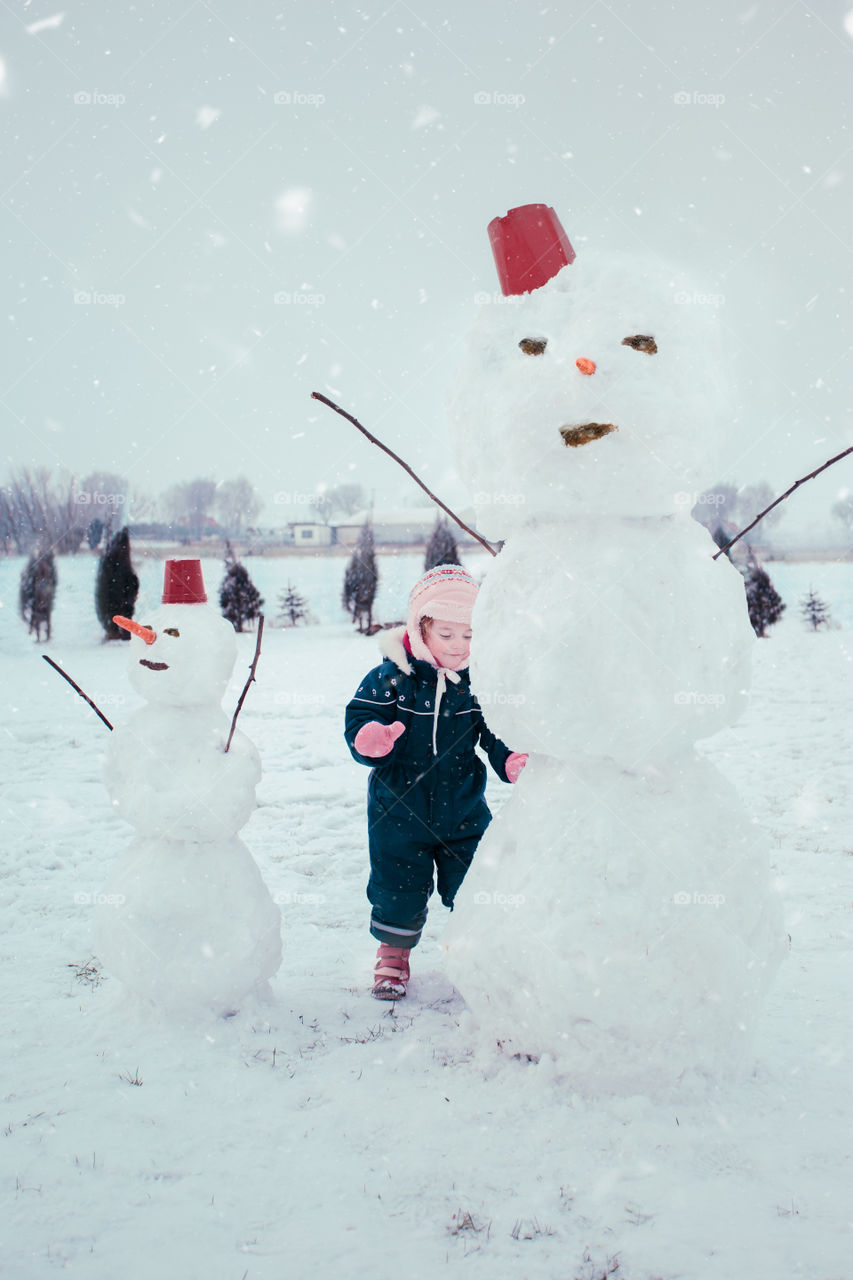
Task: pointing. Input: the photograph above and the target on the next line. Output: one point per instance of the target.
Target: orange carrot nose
(585, 365)
(135, 628)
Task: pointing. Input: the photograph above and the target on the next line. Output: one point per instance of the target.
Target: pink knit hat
(446, 592)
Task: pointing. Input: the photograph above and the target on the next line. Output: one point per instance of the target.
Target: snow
(667, 409)
(321, 1134)
(620, 918)
(185, 920)
(292, 209)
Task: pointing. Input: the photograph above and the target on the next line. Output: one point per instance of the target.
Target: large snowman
(185, 920)
(618, 915)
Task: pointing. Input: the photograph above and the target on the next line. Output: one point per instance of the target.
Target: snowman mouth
(153, 666)
(573, 437)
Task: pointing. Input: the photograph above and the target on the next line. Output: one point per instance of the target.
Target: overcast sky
(211, 209)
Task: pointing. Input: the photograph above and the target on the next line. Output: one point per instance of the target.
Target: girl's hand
(377, 739)
(514, 765)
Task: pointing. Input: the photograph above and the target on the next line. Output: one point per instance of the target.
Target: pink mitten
(514, 764)
(377, 739)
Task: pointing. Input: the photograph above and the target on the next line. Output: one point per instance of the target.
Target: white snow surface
(323, 1134)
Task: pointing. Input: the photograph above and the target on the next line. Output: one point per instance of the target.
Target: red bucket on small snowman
(529, 247)
(183, 583)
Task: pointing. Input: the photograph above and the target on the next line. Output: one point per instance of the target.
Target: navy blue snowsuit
(425, 811)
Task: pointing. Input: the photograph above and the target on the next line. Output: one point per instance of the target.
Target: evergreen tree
(117, 586)
(239, 599)
(763, 600)
(441, 548)
(95, 532)
(293, 606)
(38, 588)
(361, 579)
(815, 611)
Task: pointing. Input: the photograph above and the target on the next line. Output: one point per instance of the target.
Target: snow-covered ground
(325, 1134)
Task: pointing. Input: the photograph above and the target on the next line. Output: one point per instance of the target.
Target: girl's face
(448, 642)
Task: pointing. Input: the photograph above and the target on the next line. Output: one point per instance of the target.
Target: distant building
(403, 527)
(310, 533)
(406, 526)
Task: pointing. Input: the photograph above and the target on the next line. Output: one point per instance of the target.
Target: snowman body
(185, 920)
(618, 914)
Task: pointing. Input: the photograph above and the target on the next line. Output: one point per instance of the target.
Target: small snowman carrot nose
(585, 365)
(135, 628)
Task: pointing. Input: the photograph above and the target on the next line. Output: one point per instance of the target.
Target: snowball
(169, 775)
(206, 116)
(615, 638)
(507, 406)
(188, 926)
(292, 209)
(620, 922)
(189, 663)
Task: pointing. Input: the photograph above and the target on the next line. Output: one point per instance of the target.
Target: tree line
(43, 509)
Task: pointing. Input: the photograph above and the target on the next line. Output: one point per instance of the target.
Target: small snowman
(185, 920)
(618, 915)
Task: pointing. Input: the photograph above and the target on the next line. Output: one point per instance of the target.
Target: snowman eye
(641, 342)
(171, 631)
(533, 346)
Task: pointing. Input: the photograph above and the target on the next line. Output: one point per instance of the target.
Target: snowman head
(183, 654)
(597, 392)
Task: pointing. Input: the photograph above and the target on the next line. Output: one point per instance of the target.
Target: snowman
(185, 920)
(618, 916)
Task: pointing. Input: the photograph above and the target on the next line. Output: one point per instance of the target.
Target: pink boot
(391, 972)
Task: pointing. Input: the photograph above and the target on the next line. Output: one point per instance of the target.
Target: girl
(416, 722)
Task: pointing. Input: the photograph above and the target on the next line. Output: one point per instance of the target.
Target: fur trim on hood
(392, 644)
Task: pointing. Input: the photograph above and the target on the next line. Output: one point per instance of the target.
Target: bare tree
(843, 510)
(237, 504)
(343, 499)
(190, 503)
(39, 510)
(103, 494)
(724, 505)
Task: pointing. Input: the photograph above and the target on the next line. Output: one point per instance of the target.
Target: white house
(404, 526)
(310, 533)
